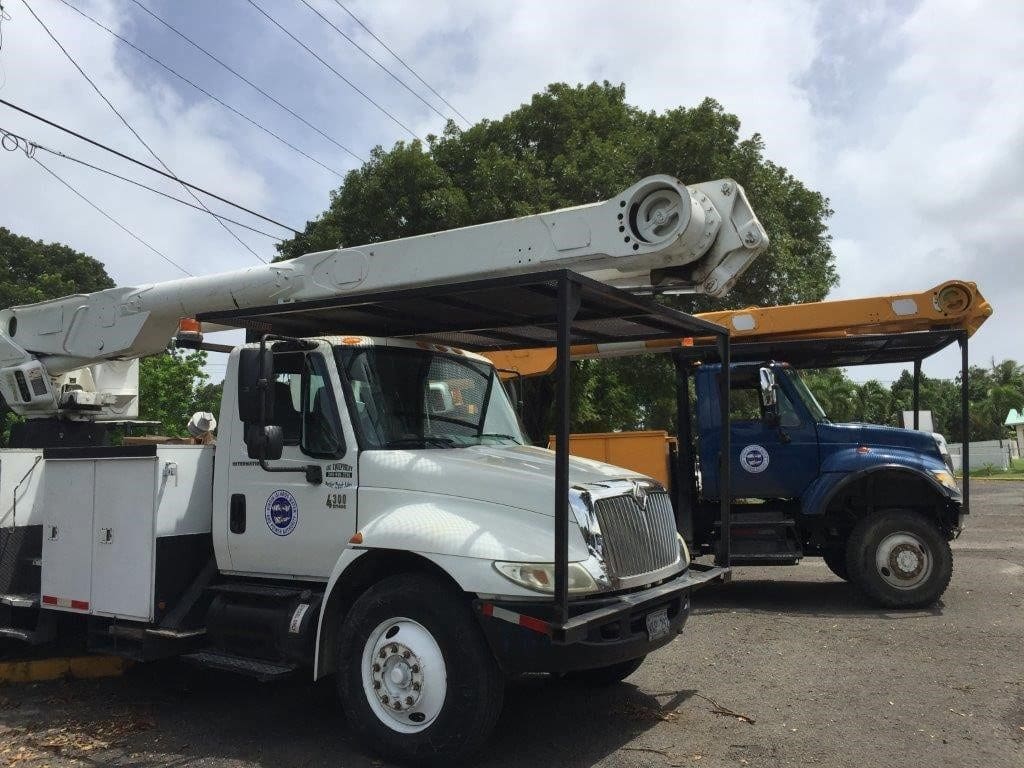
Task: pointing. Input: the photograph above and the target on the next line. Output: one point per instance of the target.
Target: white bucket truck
(370, 509)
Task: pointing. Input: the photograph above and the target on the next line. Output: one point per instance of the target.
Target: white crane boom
(77, 356)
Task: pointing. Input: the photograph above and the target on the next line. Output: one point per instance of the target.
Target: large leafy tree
(31, 271)
(568, 146)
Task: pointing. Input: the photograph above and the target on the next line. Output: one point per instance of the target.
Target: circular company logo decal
(282, 513)
(754, 458)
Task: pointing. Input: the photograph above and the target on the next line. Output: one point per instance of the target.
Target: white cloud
(929, 189)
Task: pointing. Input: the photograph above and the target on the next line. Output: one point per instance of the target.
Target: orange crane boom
(954, 304)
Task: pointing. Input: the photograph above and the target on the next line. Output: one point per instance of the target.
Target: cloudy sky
(908, 116)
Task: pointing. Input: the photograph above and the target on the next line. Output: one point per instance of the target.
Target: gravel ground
(818, 676)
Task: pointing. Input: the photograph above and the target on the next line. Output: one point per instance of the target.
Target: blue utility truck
(879, 504)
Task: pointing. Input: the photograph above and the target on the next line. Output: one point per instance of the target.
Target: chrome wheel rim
(404, 675)
(903, 560)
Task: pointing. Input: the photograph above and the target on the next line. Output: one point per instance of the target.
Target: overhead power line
(13, 142)
(376, 61)
(319, 58)
(110, 218)
(148, 167)
(246, 80)
(202, 90)
(402, 61)
(135, 133)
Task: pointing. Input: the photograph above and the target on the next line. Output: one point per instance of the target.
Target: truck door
(769, 461)
(278, 523)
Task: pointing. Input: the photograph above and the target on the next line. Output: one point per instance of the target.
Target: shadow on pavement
(797, 597)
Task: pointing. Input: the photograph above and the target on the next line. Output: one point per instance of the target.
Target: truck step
(259, 590)
(739, 519)
(263, 671)
(39, 636)
(20, 601)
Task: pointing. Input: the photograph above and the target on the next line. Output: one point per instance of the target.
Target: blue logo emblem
(282, 513)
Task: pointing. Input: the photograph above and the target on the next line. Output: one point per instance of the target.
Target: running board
(264, 671)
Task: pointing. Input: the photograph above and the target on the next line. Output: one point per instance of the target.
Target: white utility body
(370, 509)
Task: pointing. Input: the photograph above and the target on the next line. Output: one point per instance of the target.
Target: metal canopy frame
(556, 308)
(862, 349)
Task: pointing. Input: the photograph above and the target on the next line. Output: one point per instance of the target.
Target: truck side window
(304, 405)
(788, 415)
(321, 429)
(744, 404)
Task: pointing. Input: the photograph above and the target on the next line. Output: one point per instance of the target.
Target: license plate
(657, 624)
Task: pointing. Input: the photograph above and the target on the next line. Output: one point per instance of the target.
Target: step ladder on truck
(878, 504)
(370, 509)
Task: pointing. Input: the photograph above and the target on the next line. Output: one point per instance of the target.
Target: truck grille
(637, 540)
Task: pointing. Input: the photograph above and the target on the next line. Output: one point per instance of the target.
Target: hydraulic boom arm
(74, 356)
(952, 304)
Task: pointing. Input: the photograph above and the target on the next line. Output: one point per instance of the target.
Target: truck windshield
(813, 406)
(415, 398)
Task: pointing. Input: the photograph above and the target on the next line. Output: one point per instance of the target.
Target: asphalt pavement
(782, 667)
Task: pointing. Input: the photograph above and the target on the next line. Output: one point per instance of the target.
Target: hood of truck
(875, 436)
(514, 476)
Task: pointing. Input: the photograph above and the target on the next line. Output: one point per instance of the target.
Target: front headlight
(946, 478)
(540, 577)
(684, 551)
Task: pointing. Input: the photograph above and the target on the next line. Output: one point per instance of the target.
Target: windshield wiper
(501, 436)
(426, 440)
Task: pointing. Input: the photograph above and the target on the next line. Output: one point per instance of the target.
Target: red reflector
(535, 624)
(80, 605)
(49, 600)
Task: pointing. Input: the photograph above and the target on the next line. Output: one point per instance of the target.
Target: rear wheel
(415, 676)
(900, 559)
(607, 675)
(835, 559)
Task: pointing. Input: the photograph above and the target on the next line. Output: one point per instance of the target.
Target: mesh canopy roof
(518, 312)
(840, 352)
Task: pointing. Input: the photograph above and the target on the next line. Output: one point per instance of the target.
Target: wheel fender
(330, 604)
(825, 489)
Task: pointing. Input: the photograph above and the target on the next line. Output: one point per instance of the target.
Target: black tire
(609, 675)
(930, 551)
(835, 559)
(475, 685)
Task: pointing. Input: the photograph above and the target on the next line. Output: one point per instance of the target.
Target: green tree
(836, 392)
(572, 145)
(173, 386)
(31, 271)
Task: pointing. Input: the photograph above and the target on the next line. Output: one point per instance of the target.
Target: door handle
(236, 516)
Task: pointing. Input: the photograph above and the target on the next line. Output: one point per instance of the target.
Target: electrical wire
(202, 90)
(319, 58)
(401, 61)
(246, 80)
(110, 218)
(147, 166)
(372, 58)
(12, 142)
(135, 133)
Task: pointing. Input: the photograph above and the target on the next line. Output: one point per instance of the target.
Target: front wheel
(415, 676)
(899, 559)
